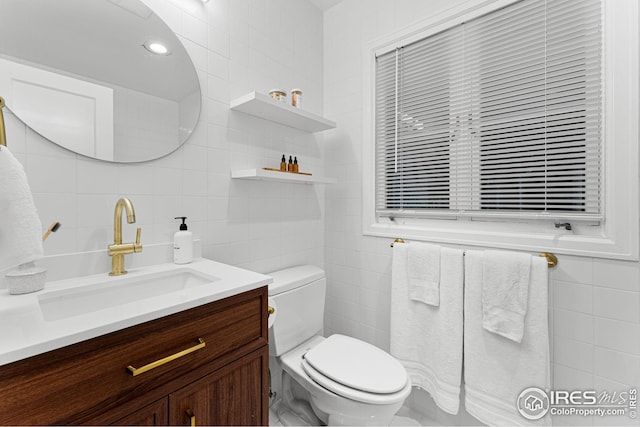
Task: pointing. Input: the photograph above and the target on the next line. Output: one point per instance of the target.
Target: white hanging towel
(423, 267)
(427, 339)
(497, 369)
(505, 289)
(20, 226)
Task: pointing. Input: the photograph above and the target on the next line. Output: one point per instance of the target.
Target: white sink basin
(112, 292)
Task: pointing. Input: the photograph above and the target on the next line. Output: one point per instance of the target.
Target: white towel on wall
(505, 288)
(496, 369)
(426, 339)
(20, 226)
(423, 266)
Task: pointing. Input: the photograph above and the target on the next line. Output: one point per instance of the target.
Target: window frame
(614, 237)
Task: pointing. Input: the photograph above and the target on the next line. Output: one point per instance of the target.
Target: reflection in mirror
(107, 79)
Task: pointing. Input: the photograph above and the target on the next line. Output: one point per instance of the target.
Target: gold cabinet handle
(270, 310)
(137, 371)
(192, 417)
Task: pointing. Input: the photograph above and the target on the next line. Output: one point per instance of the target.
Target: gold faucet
(119, 249)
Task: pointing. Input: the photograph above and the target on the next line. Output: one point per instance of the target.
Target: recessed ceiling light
(156, 48)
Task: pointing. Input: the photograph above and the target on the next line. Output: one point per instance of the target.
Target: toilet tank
(297, 294)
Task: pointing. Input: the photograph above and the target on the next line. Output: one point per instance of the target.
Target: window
(499, 114)
(487, 124)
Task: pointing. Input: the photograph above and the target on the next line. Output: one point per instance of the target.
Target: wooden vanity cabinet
(229, 396)
(155, 414)
(224, 382)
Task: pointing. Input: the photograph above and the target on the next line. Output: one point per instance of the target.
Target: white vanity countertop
(24, 332)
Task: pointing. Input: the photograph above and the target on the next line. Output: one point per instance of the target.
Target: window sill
(508, 236)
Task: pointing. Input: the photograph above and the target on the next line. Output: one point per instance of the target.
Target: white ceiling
(325, 4)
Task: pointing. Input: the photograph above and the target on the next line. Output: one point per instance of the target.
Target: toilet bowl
(346, 381)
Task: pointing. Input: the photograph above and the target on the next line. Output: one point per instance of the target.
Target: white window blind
(500, 115)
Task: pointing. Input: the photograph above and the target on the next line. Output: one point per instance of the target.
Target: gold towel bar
(397, 241)
(3, 136)
(552, 260)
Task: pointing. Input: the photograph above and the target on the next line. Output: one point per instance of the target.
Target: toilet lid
(357, 364)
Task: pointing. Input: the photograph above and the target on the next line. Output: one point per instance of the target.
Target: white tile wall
(237, 46)
(615, 304)
(576, 297)
(595, 303)
(617, 335)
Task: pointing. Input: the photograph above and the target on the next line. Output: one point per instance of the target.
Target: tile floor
(405, 417)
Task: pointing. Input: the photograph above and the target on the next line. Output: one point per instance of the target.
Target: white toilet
(337, 380)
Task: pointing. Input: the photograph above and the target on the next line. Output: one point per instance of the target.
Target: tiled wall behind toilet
(595, 303)
(237, 46)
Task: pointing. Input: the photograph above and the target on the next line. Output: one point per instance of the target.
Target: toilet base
(381, 415)
(287, 417)
(298, 408)
(296, 400)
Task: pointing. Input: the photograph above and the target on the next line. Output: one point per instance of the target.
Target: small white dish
(26, 278)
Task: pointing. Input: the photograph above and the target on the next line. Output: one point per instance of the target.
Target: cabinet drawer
(82, 382)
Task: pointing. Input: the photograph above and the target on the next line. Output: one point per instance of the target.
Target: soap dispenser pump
(182, 244)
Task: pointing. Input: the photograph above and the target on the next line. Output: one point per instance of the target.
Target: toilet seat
(353, 394)
(356, 370)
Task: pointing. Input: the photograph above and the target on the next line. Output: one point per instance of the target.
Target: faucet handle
(137, 246)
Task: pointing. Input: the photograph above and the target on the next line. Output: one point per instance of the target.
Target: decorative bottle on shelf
(295, 164)
(283, 164)
(296, 98)
(182, 244)
(290, 165)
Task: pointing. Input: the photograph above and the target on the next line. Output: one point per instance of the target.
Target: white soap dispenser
(182, 244)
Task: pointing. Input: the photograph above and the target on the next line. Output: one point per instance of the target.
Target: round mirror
(107, 79)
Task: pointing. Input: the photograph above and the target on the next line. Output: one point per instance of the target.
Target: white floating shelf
(263, 106)
(264, 175)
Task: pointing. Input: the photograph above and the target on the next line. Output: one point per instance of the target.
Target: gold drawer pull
(137, 371)
(192, 417)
